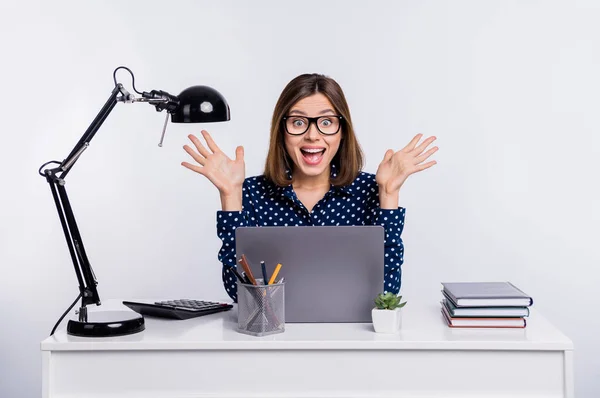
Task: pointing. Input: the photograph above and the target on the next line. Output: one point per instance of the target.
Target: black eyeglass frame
(312, 120)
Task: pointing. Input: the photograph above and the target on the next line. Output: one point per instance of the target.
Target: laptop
(332, 273)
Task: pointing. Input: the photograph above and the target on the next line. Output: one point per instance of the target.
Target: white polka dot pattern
(265, 204)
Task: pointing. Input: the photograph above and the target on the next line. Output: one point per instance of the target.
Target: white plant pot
(387, 321)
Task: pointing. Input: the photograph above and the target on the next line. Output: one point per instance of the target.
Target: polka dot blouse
(266, 204)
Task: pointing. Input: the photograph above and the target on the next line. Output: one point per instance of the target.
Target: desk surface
(423, 327)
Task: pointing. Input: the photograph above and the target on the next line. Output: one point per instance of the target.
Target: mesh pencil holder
(261, 309)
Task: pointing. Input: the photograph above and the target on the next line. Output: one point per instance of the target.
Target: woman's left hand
(396, 167)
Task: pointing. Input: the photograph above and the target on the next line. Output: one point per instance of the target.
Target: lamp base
(107, 324)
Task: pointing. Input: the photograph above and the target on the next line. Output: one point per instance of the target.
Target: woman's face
(312, 151)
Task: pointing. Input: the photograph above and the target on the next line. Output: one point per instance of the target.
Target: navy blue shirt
(266, 204)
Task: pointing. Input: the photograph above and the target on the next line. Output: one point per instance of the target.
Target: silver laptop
(332, 273)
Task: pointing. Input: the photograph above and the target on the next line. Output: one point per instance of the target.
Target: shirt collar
(346, 189)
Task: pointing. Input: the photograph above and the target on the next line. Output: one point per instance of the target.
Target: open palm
(226, 174)
(396, 167)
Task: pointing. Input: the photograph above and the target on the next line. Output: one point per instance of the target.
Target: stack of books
(485, 305)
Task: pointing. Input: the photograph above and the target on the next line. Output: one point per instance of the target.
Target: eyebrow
(304, 114)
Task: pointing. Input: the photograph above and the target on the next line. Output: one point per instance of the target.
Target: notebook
(483, 322)
(489, 312)
(486, 294)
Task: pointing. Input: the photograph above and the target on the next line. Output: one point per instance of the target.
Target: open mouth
(312, 156)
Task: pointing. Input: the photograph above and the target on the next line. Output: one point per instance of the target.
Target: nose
(313, 133)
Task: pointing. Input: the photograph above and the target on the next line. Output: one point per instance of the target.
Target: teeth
(313, 150)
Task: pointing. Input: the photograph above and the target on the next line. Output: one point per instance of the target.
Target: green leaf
(389, 301)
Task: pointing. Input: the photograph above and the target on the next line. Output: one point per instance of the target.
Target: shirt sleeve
(227, 222)
(392, 221)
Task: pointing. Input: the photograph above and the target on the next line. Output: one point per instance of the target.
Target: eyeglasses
(298, 125)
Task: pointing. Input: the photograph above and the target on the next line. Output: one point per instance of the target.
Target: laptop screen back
(332, 273)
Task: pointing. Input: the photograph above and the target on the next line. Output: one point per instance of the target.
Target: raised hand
(396, 167)
(226, 174)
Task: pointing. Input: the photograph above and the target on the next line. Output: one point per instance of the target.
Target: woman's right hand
(226, 174)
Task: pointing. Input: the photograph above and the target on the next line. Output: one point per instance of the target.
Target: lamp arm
(56, 179)
(83, 268)
(84, 141)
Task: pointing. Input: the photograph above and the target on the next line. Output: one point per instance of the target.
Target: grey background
(510, 88)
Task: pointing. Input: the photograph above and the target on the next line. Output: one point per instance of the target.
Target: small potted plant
(387, 317)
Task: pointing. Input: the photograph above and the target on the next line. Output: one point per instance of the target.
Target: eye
(298, 122)
(326, 122)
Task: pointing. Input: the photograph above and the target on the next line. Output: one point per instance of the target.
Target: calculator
(177, 309)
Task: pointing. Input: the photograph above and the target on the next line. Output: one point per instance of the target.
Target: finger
(411, 145)
(425, 165)
(423, 145)
(203, 151)
(423, 157)
(193, 167)
(239, 153)
(211, 143)
(197, 157)
(388, 155)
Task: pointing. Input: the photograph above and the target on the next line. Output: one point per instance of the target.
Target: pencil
(244, 263)
(275, 274)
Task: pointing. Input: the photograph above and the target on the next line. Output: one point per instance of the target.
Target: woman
(312, 175)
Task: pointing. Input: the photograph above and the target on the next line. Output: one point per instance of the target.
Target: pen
(275, 274)
(244, 263)
(245, 278)
(264, 272)
(237, 274)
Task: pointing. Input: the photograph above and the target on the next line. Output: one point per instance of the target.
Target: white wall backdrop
(510, 88)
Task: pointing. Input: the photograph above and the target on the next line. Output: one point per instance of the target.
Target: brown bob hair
(349, 157)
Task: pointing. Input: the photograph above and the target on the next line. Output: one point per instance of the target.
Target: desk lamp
(196, 104)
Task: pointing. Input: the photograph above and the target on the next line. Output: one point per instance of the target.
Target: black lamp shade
(200, 104)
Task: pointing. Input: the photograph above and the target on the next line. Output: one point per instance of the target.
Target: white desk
(206, 357)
